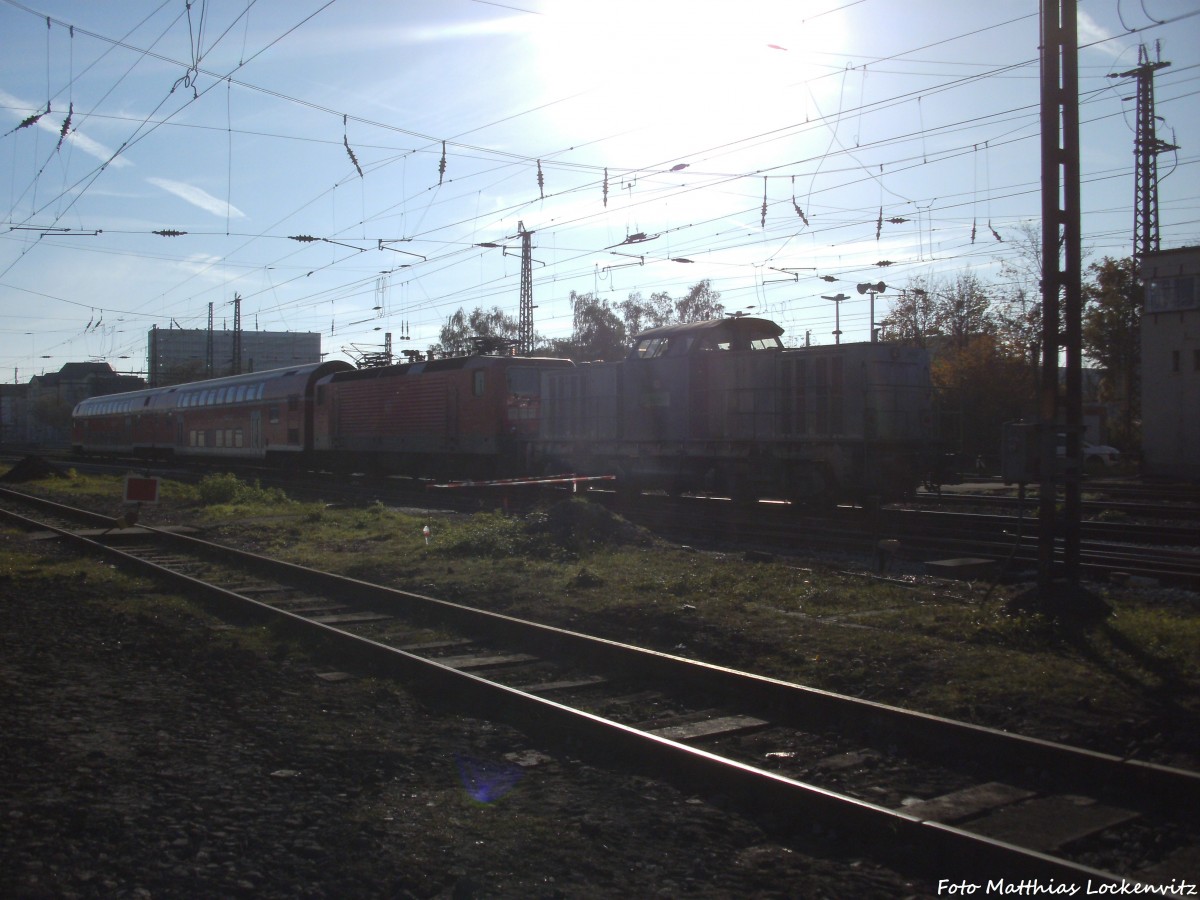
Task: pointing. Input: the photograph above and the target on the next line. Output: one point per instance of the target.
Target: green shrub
(227, 488)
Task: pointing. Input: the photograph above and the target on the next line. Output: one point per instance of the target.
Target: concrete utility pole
(525, 319)
(1146, 147)
(237, 334)
(208, 346)
(1061, 280)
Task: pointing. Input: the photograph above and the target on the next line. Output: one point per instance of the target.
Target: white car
(1097, 455)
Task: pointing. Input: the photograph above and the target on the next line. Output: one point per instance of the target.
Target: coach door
(256, 432)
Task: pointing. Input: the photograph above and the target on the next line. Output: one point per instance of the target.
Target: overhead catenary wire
(763, 212)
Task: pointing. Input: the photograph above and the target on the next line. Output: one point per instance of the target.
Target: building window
(1196, 359)
(478, 383)
(273, 415)
(1174, 360)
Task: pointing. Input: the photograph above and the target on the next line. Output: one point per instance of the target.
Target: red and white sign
(141, 489)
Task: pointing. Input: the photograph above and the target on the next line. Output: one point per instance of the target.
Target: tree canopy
(480, 331)
(1112, 317)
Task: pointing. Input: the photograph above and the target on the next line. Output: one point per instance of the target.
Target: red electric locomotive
(463, 417)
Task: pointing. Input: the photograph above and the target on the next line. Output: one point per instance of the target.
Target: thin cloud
(198, 198)
(1095, 36)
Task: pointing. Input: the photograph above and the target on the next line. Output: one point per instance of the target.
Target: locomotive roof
(303, 370)
(446, 364)
(739, 325)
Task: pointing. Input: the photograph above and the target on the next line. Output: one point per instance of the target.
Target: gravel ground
(149, 754)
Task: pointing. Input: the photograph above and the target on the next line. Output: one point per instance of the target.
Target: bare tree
(964, 310)
(913, 319)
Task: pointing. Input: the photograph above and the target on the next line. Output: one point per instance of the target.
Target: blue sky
(396, 138)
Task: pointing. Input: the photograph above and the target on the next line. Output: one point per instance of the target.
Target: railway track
(939, 797)
(1183, 503)
(1164, 553)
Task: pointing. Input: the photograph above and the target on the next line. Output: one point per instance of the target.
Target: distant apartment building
(176, 355)
(42, 411)
(1171, 363)
(13, 416)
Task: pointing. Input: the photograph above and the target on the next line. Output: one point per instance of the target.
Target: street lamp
(872, 289)
(837, 315)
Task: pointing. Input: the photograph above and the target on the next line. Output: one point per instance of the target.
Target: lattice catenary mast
(525, 320)
(1146, 147)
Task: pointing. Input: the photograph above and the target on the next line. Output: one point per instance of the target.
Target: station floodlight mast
(837, 314)
(873, 289)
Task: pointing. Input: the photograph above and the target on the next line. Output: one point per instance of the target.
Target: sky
(360, 168)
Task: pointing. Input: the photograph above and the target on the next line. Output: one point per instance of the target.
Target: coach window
(477, 383)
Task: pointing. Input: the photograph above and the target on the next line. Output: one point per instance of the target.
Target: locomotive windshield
(523, 381)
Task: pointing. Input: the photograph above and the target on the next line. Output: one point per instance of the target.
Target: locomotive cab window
(524, 381)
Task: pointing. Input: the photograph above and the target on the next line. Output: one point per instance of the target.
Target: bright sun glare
(687, 73)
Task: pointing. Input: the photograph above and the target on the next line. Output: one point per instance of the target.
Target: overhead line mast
(1058, 586)
(525, 320)
(1146, 147)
